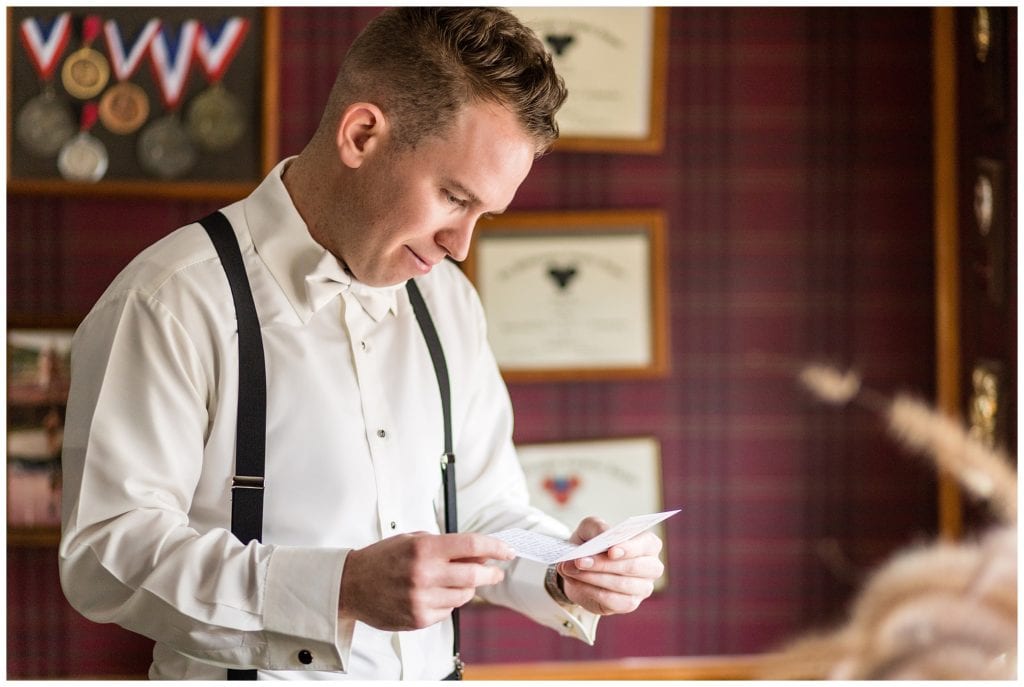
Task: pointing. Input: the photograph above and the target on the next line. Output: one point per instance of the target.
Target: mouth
(421, 263)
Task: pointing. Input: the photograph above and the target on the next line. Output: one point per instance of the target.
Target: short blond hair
(422, 65)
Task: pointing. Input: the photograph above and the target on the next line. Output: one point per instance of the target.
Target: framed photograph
(38, 377)
(611, 478)
(153, 101)
(614, 62)
(574, 295)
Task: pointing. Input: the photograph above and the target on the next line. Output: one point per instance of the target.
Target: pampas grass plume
(830, 384)
(985, 472)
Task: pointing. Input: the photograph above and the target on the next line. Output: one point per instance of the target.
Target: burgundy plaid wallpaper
(796, 180)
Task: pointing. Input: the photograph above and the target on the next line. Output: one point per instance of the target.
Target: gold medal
(215, 120)
(85, 73)
(124, 108)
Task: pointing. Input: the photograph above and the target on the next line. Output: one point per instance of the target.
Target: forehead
(485, 149)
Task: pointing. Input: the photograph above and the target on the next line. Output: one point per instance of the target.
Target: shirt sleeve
(134, 442)
(493, 494)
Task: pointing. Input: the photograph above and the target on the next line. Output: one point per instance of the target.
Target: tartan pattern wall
(796, 181)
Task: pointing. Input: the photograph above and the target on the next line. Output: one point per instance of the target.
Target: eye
(454, 199)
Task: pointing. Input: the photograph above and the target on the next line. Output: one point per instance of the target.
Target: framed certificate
(614, 62)
(613, 479)
(574, 295)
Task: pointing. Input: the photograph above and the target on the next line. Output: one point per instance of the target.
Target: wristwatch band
(553, 585)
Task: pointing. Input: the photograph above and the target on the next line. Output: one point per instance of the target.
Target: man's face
(409, 210)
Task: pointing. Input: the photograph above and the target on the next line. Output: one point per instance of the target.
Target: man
(434, 121)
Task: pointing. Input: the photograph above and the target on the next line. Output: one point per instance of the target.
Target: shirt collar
(308, 274)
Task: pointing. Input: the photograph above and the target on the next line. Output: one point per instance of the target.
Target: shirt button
(305, 658)
(394, 525)
(381, 433)
(362, 345)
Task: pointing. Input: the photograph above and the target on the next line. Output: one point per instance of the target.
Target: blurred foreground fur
(938, 611)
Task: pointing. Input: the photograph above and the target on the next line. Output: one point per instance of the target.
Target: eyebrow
(469, 195)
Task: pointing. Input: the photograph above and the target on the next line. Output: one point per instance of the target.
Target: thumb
(588, 528)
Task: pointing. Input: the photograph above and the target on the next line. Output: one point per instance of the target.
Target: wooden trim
(271, 87)
(654, 142)
(947, 250)
(741, 667)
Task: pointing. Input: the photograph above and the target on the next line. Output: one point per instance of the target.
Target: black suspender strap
(250, 432)
(451, 520)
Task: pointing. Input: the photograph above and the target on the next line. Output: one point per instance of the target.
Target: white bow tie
(329, 278)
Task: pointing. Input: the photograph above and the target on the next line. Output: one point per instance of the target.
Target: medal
(85, 72)
(84, 158)
(125, 106)
(165, 149)
(215, 117)
(45, 123)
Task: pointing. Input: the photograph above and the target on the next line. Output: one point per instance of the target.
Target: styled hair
(421, 65)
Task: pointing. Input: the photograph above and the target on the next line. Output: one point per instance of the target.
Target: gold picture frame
(614, 61)
(574, 295)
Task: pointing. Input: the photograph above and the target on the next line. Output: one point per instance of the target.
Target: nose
(455, 240)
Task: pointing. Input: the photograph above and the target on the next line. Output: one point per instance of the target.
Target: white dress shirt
(354, 435)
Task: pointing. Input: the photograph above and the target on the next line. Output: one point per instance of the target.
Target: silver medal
(44, 124)
(165, 148)
(83, 158)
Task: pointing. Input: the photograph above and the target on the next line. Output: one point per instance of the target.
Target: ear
(360, 131)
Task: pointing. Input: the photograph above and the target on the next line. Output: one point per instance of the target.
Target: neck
(304, 184)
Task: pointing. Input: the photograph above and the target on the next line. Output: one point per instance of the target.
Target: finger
(602, 600)
(473, 545)
(645, 566)
(644, 544)
(640, 587)
(469, 575)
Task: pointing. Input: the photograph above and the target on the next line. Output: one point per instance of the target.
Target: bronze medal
(165, 148)
(215, 120)
(124, 108)
(85, 73)
(83, 158)
(44, 124)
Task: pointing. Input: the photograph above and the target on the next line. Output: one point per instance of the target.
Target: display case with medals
(159, 101)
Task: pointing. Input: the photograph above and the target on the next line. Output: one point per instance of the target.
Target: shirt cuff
(300, 610)
(533, 600)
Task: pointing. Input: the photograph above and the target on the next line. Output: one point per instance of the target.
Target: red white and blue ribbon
(172, 60)
(46, 44)
(125, 63)
(218, 48)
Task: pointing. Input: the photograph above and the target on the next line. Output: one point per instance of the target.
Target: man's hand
(411, 581)
(617, 580)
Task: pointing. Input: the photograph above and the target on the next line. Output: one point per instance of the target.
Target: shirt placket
(379, 424)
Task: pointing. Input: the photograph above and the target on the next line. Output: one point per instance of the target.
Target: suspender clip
(447, 458)
(247, 482)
